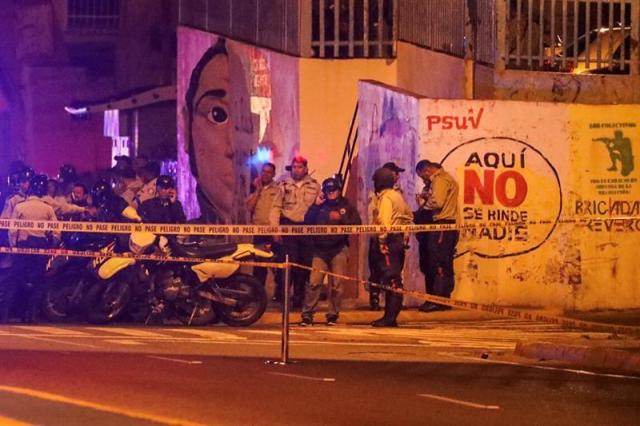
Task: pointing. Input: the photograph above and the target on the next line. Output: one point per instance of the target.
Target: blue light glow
(261, 156)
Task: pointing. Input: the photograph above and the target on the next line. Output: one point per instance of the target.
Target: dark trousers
(26, 269)
(299, 250)
(440, 248)
(261, 273)
(387, 269)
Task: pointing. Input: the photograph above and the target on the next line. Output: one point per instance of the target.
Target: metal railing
(95, 16)
(579, 36)
(353, 28)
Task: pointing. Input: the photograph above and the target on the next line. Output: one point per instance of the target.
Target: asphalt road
(121, 375)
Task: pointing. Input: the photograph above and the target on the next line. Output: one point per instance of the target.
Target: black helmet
(38, 185)
(67, 173)
(330, 184)
(101, 191)
(26, 174)
(165, 181)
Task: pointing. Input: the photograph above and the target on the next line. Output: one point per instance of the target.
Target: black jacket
(338, 212)
(157, 210)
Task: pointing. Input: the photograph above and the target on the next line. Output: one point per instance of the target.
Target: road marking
(123, 342)
(542, 367)
(299, 376)
(181, 361)
(62, 342)
(214, 335)
(459, 402)
(99, 407)
(6, 421)
(52, 330)
(127, 331)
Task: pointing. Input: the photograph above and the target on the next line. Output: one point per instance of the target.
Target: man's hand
(173, 196)
(320, 199)
(257, 184)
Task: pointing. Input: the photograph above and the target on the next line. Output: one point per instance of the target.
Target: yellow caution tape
(629, 223)
(128, 255)
(501, 311)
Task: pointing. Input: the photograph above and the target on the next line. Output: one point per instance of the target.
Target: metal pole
(285, 313)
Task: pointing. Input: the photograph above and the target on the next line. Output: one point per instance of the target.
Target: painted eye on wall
(218, 115)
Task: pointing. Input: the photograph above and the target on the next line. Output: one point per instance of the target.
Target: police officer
(295, 195)
(20, 181)
(387, 253)
(442, 200)
(29, 268)
(329, 252)
(164, 208)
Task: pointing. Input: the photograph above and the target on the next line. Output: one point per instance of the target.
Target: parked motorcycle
(195, 293)
(67, 278)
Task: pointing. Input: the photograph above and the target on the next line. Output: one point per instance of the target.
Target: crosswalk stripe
(214, 335)
(127, 331)
(54, 331)
(7, 421)
(123, 342)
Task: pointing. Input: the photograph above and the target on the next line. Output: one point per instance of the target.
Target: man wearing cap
(329, 252)
(386, 252)
(396, 174)
(164, 208)
(441, 198)
(295, 195)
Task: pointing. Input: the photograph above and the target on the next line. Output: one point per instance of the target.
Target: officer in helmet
(165, 207)
(20, 181)
(109, 206)
(29, 268)
(330, 252)
(67, 176)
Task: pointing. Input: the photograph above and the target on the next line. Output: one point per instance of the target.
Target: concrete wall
(328, 96)
(533, 181)
(429, 73)
(564, 87)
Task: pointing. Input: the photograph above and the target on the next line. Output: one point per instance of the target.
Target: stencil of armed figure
(619, 149)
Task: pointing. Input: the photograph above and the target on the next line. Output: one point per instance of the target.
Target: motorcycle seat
(215, 251)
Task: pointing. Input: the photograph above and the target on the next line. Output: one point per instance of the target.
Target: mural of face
(210, 144)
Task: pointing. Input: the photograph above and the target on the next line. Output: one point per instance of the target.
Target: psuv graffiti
(448, 122)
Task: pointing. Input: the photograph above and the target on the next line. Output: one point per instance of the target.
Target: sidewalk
(544, 344)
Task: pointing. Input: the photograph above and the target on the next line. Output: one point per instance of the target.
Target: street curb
(584, 356)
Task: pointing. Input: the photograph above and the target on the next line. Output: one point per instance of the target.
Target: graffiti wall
(548, 194)
(233, 115)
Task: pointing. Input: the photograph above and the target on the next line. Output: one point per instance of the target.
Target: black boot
(392, 307)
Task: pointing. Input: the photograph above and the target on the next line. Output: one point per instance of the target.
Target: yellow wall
(429, 73)
(328, 95)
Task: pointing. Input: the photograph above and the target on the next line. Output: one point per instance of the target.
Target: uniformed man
(19, 180)
(149, 176)
(388, 252)
(442, 200)
(165, 207)
(259, 205)
(295, 195)
(29, 268)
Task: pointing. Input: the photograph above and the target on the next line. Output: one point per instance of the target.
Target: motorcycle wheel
(57, 303)
(105, 301)
(204, 312)
(251, 297)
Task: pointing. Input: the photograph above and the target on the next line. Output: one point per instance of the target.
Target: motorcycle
(195, 293)
(67, 278)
